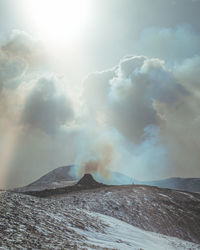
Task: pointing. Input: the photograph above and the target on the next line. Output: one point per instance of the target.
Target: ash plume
(98, 162)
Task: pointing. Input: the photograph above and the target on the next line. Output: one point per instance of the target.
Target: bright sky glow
(57, 21)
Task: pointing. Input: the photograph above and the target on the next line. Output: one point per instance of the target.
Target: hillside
(165, 211)
(28, 222)
(56, 178)
(65, 176)
(184, 184)
(170, 212)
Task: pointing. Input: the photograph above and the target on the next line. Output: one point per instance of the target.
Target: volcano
(88, 181)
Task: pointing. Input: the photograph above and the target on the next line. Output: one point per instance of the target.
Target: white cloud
(127, 98)
(144, 92)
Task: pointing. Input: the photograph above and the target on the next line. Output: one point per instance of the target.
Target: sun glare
(59, 20)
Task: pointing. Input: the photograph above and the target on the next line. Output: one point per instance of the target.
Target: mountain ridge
(63, 176)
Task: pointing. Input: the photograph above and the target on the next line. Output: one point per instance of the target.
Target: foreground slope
(30, 222)
(165, 211)
(170, 212)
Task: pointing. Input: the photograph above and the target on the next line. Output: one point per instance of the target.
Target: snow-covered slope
(29, 222)
(170, 212)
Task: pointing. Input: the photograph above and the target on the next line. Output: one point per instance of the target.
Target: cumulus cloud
(20, 44)
(128, 96)
(45, 108)
(43, 135)
(11, 69)
(143, 93)
(17, 54)
(188, 73)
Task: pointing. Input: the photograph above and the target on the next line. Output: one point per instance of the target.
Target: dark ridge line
(63, 190)
(76, 188)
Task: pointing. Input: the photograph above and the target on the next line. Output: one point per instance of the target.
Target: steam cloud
(144, 92)
(140, 117)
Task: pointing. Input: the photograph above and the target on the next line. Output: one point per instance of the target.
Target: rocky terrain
(85, 183)
(170, 212)
(28, 222)
(86, 214)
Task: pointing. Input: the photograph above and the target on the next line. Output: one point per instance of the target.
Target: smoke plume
(97, 162)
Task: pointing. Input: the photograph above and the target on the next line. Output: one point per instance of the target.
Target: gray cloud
(41, 136)
(17, 54)
(11, 69)
(36, 114)
(188, 73)
(145, 94)
(20, 44)
(46, 109)
(127, 98)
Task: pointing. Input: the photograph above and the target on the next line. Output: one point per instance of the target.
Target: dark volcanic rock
(32, 223)
(88, 181)
(169, 212)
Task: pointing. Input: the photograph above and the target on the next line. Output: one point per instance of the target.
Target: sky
(106, 85)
